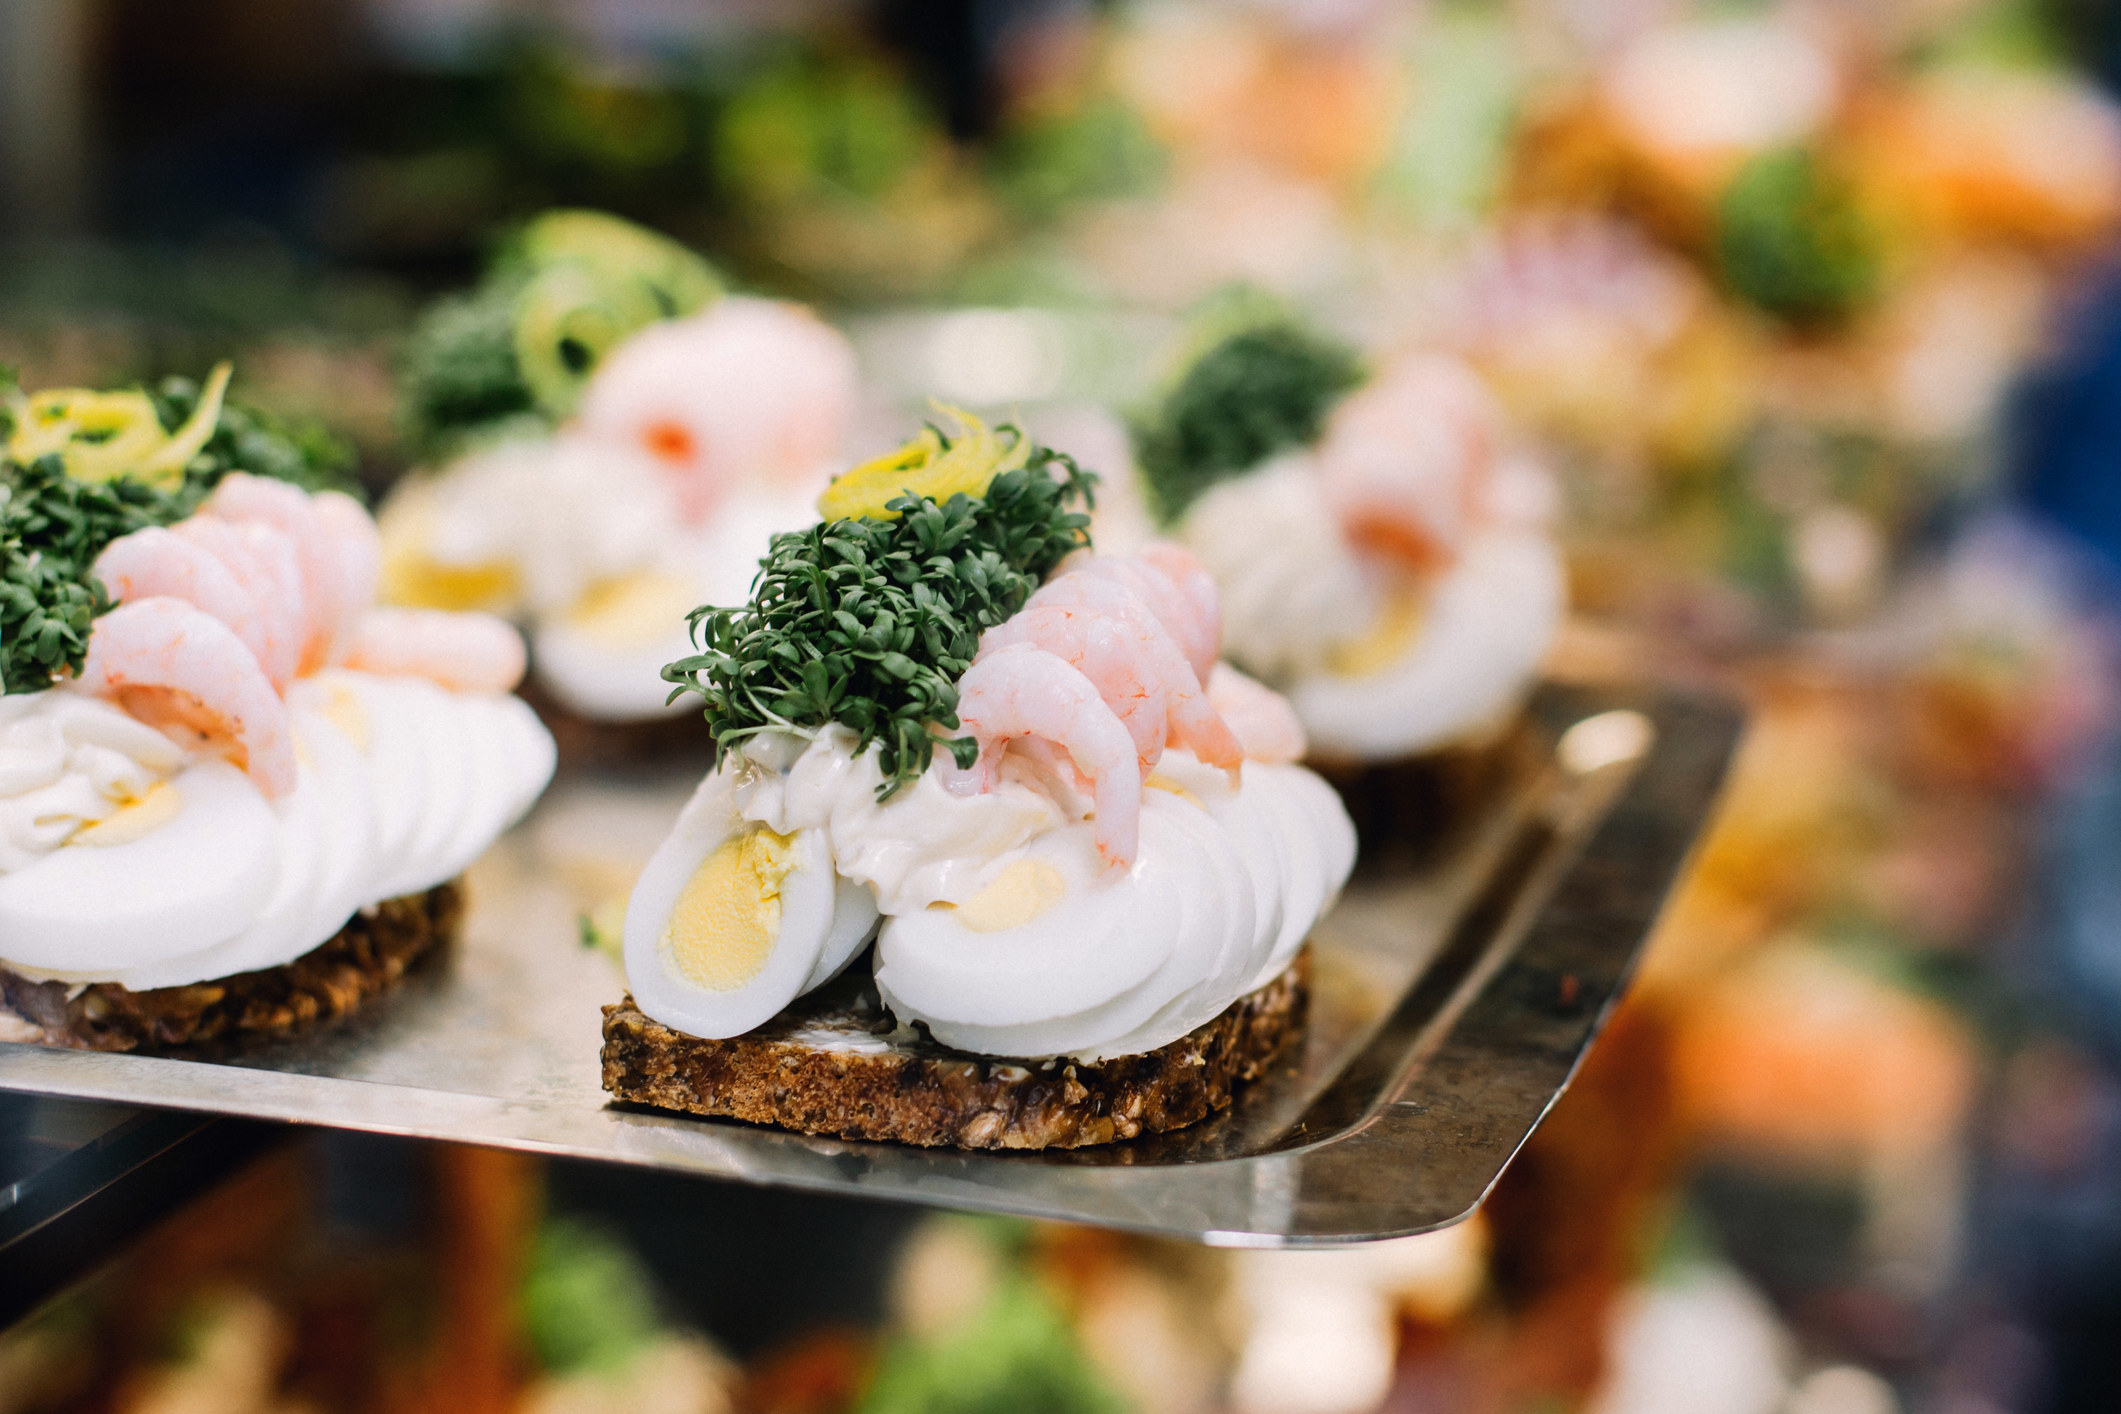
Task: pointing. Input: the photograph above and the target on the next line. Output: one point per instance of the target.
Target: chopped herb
(870, 621)
(1256, 393)
(460, 364)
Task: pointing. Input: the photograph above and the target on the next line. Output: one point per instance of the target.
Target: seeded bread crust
(375, 948)
(837, 1063)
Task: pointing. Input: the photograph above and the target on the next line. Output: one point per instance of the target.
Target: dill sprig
(870, 621)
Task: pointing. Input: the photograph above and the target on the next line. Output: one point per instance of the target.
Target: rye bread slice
(837, 1062)
(375, 948)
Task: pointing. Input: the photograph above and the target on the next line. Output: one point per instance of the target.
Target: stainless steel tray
(1456, 987)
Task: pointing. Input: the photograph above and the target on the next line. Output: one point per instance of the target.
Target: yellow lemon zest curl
(100, 436)
(933, 465)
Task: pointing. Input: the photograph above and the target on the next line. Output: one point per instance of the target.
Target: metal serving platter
(1456, 988)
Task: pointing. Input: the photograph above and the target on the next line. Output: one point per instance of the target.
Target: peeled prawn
(465, 652)
(1198, 636)
(1116, 654)
(1022, 691)
(263, 560)
(186, 673)
(1262, 718)
(357, 551)
(1072, 617)
(156, 562)
(1407, 460)
(1193, 581)
(331, 613)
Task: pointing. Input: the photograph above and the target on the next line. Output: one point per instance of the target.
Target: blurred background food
(1809, 306)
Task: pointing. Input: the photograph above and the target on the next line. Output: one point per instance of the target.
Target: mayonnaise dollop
(69, 761)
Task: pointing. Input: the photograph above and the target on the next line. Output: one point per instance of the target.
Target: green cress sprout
(870, 619)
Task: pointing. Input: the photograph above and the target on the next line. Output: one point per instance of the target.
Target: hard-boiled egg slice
(1253, 832)
(1052, 935)
(382, 718)
(854, 920)
(1317, 847)
(1236, 931)
(196, 879)
(512, 763)
(1489, 621)
(730, 920)
(603, 659)
(446, 794)
(1080, 1033)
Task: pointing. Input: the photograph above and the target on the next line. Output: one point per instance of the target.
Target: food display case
(461, 461)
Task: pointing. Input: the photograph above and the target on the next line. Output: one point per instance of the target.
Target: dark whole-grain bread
(836, 1062)
(375, 948)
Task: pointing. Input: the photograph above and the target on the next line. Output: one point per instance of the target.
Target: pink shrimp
(1117, 654)
(244, 498)
(1140, 654)
(1262, 718)
(462, 652)
(156, 562)
(1197, 636)
(187, 674)
(1185, 571)
(263, 561)
(357, 552)
(1021, 691)
(1407, 460)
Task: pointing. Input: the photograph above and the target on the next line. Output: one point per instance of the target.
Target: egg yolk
(1386, 641)
(1158, 781)
(344, 709)
(1018, 894)
(633, 610)
(728, 915)
(135, 819)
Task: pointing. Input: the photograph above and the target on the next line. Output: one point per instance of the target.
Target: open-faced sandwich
(234, 793)
(1379, 541)
(1077, 839)
(637, 437)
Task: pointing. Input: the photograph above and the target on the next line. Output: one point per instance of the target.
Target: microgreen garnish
(1256, 393)
(870, 622)
(53, 525)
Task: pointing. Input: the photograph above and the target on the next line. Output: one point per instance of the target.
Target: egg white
(606, 679)
(513, 762)
(1487, 625)
(1317, 848)
(609, 676)
(449, 748)
(1105, 936)
(823, 923)
(321, 842)
(91, 910)
(398, 759)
